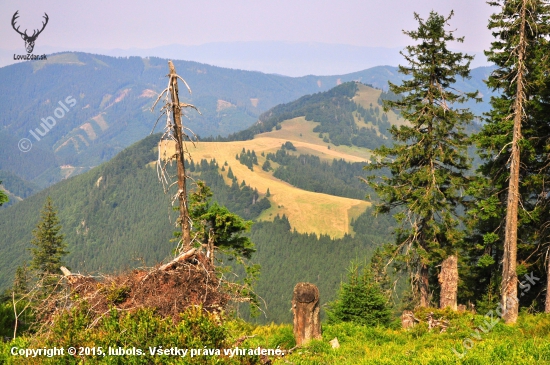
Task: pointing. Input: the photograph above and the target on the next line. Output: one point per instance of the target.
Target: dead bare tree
(173, 146)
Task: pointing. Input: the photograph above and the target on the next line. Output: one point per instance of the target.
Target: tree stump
(408, 320)
(448, 278)
(305, 307)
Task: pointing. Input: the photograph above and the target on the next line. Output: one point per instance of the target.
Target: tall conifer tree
(428, 159)
(513, 139)
(50, 246)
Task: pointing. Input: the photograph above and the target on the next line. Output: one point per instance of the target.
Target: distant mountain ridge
(293, 59)
(113, 97)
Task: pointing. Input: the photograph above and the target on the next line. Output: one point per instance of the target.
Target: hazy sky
(111, 24)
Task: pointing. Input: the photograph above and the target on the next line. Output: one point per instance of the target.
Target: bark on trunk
(448, 280)
(509, 289)
(180, 160)
(305, 307)
(424, 287)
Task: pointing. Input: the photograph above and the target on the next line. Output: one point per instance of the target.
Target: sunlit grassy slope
(367, 95)
(306, 211)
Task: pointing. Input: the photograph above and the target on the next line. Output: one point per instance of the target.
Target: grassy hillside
(332, 215)
(312, 204)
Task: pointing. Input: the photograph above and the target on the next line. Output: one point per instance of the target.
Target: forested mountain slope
(116, 217)
(296, 180)
(83, 109)
(350, 114)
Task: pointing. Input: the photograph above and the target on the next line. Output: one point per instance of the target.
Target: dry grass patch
(306, 211)
(367, 95)
(101, 121)
(299, 131)
(65, 58)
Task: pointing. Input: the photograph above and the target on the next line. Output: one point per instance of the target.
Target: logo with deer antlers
(29, 39)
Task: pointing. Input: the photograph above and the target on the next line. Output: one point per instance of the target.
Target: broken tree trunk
(306, 310)
(184, 256)
(71, 278)
(509, 285)
(180, 159)
(448, 280)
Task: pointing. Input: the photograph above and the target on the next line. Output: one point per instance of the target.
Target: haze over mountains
(274, 57)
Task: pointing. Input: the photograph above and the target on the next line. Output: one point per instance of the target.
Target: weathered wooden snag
(305, 307)
(408, 320)
(448, 278)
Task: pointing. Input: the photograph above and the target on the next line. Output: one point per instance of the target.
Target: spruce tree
(360, 300)
(427, 163)
(50, 247)
(513, 141)
(218, 229)
(218, 225)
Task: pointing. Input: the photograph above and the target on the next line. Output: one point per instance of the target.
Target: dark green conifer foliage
(215, 224)
(428, 160)
(50, 246)
(3, 197)
(360, 300)
(213, 220)
(267, 166)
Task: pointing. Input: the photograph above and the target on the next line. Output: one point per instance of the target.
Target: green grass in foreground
(528, 342)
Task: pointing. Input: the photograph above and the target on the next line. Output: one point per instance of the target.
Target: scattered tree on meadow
(514, 140)
(428, 160)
